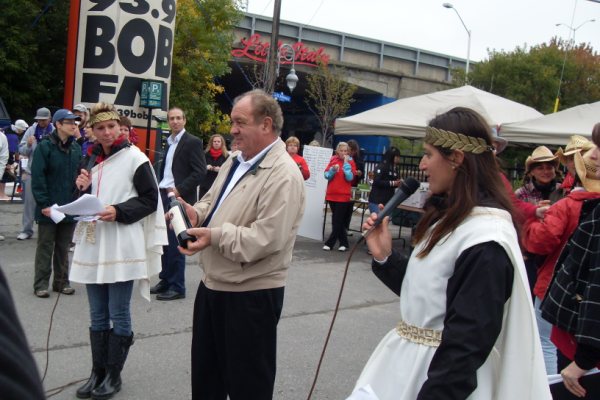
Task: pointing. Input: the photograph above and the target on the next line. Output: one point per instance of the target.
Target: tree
(532, 76)
(32, 55)
(330, 96)
(203, 37)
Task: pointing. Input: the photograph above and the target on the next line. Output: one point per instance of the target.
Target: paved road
(158, 366)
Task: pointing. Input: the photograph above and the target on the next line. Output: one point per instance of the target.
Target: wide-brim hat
(541, 154)
(576, 144)
(587, 171)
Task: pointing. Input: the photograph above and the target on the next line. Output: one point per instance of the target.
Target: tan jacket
(254, 230)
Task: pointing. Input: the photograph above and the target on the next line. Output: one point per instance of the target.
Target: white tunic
(113, 251)
(514, 369)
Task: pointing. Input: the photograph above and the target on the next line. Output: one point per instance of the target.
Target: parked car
(5, 120)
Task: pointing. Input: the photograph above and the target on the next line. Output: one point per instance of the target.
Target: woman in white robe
(121, 247)
(466, 325)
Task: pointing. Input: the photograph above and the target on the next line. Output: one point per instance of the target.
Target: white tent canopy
(408, 117)
(554, 128)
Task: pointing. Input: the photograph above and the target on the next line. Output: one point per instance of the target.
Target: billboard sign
(116, 45)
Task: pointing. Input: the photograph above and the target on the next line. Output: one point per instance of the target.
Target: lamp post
(286, 53)
(449, 5)
(571, 41)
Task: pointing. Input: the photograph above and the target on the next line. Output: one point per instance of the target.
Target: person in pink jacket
(340, 172)
(549, 236)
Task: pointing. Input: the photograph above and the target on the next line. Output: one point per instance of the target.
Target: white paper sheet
(552, 379)
(56, 215)
(85, 205)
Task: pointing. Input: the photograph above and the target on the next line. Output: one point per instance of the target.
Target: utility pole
(271, 66)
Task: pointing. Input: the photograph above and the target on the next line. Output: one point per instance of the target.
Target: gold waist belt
(415, 334)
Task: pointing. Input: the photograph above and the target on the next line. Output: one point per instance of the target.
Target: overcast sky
(426, 24)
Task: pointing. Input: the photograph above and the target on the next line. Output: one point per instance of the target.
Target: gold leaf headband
(455, 141)
(104, 116)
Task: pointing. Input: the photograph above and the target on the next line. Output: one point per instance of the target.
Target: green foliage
(408, 147)
(532, 76)
(203, 37)
(32, 55)
(330, 96)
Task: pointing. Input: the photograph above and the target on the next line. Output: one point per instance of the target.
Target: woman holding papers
(122, 245)
(572, 303)
(466, 325)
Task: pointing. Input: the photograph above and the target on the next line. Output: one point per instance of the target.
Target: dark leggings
(339, 214)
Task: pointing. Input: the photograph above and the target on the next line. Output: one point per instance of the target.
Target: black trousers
(339, 215)
(234, 344)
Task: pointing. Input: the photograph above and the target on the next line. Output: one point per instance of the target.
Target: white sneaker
(23, 236)
(326, 248)
(1, 237)
(342, 248)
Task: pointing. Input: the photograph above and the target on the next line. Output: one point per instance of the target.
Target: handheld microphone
(95, 153)
(92, 160)
(408, 187)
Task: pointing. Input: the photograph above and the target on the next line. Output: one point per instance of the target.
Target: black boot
(118, 348)
(99, 344)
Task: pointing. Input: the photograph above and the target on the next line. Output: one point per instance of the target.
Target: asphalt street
(158, 366)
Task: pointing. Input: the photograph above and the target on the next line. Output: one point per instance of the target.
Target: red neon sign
(258, 51)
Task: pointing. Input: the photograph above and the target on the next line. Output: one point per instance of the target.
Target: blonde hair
(223, 144)
(103, 112)
(292, 140)
(342, 144)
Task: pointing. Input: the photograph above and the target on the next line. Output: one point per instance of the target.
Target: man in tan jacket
(246, 230)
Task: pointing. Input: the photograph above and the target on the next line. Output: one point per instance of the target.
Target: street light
(573, 31)
(286, 53)
(449, 5)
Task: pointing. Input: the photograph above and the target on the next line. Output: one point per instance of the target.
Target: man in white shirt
(183, 168)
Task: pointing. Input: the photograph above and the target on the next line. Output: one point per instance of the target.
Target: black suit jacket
(189, 166)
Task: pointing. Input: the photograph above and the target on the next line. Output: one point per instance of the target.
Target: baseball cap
(64, 114)
(43, 113)
(80, 107)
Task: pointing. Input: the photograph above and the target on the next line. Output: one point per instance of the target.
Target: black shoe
(160, 287)
(170, 295)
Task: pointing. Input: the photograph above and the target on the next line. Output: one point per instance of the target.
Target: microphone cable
(335, 312)
(54, 391)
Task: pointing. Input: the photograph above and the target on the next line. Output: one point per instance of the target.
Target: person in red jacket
(576, 144)
(549, 236)
(292, 145)
(340, 173)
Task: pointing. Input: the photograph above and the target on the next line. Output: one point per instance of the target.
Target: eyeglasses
(70, 122)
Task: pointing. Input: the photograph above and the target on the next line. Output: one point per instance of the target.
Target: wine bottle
(180, 221)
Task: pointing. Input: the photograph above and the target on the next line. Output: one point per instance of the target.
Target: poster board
(113, 46)
(317, 159)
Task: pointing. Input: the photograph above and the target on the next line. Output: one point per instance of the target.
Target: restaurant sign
(258, 50)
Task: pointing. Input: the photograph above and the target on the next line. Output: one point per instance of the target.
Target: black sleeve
(145, 203)
(381, 179)
(19, 376)
(197, 163)
(392, 272)
(476, 294)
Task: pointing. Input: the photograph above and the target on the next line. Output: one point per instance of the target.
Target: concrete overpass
(388, 69)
